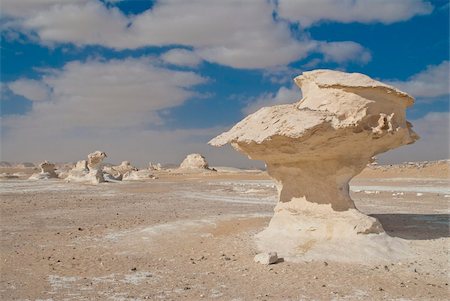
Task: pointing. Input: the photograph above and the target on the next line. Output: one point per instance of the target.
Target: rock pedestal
(313, 149)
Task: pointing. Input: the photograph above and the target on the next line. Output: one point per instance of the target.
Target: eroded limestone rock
(89, 171)
(312, 149)
(194, 161)
(152, 166)
(118, 172)
(47, 172)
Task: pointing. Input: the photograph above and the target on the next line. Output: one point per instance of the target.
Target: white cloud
(181, 57)
(308, 12)
(31, 89)
(81, 24)
(342, 52)
(22, 8)
(236, 33)
(109, 94)
(434, 143)
(233, 33)
(432, 82)
(283, 96)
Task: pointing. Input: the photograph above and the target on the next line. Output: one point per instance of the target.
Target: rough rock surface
(313, 148)
(89, 171)
(194, 161)
(266, 258)
(47, 172)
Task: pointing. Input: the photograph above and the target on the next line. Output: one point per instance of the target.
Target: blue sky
(155, 80)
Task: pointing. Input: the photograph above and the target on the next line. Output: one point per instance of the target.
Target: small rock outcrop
(89, 171)
(312, 149)
(195, 162)
(47, 172)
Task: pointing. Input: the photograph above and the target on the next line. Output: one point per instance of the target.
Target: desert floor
(190, 237)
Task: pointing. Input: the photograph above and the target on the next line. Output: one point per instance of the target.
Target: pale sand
(190, 237)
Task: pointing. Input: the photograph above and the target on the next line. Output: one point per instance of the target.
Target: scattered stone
(266, 258)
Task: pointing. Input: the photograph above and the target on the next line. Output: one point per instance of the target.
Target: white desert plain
(323, 222)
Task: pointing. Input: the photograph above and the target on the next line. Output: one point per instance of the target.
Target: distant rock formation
(89, 171)
(25, 165)
(312, 149)
(47, 172)
(194, 161)
(152, 166)
(5, 164)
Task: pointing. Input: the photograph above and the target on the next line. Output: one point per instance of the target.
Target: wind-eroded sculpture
(313, 148)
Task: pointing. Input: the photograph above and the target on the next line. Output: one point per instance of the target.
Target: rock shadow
(415, 226)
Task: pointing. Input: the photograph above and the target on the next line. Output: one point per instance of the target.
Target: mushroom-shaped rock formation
(194, 161)
(313, 148)
(89, 171)
(47, 172)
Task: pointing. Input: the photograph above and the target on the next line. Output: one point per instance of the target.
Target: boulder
(312, 149)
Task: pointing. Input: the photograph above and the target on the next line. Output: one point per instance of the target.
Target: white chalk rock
(152, 166)
(47, 172)
(89, 171)
(194, 161)
(312, 149)
(266, 258)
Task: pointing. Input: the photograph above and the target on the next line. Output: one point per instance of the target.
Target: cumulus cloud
(283, 96)
(434, 143)
(430, 83)
(31, 89)
(181, 57)
(342, 52)
(252, 39)
(113, 93)
(308, 12)
(22, 8)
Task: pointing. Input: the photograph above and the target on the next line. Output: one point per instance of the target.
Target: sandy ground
(190, 237)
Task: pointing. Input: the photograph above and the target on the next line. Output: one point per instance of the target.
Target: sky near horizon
(156, 80)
